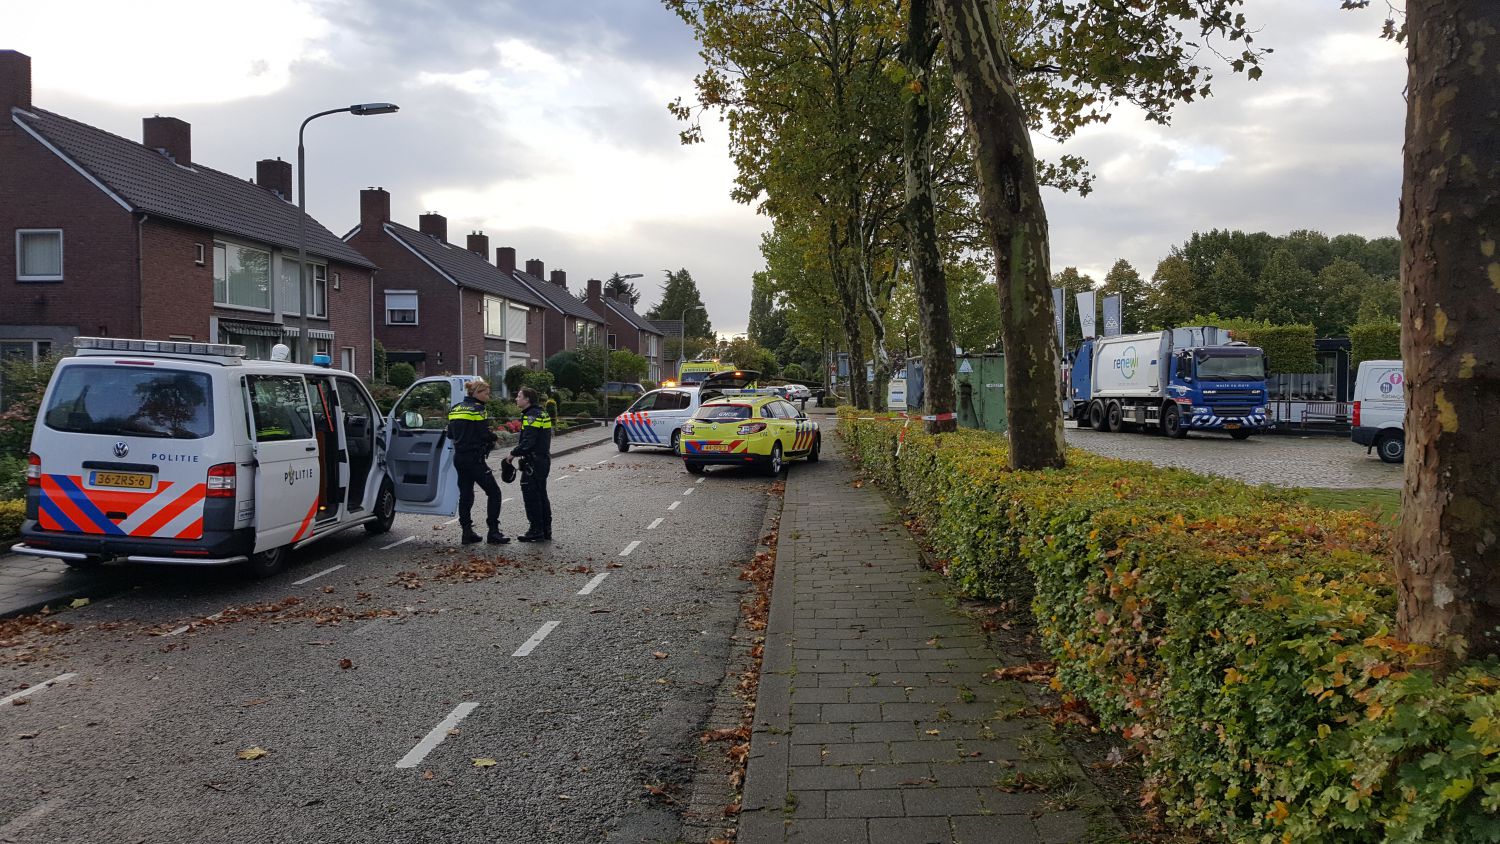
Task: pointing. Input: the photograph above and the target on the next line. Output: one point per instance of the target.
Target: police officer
(535, 451)
(472, 438)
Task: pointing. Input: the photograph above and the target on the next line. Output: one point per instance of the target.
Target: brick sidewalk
(875, 720)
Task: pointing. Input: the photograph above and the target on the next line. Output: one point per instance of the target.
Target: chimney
(560, 278)
(275, 176)
(595, 286)
(15, 81)
(435, 225)
(505, 259)
(535, 268)
(170, 135)
(374, 208)
(479, 244)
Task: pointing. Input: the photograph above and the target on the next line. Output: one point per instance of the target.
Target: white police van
(656, 418)
(186, 453)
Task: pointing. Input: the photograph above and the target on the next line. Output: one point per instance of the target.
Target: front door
(419, 455)
(287, 474)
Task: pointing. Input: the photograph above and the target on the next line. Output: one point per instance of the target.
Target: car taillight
(752, 428)
(33, 469)
(1356, 414)
(221, 481)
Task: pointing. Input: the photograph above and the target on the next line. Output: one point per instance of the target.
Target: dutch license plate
(1230, 426)
(715, 448)
(125, 480)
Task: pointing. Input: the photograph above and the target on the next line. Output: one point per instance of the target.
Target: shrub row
(1240, 639)
(12, 513)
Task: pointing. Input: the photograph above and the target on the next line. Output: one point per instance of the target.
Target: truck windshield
(131, 401)
(1248, 365)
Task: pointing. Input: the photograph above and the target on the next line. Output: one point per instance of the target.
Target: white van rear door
(287, 475)
(418, 453)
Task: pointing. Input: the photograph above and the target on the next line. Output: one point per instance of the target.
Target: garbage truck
(1174, 381)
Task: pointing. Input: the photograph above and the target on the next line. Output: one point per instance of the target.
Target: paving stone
(942, 801)
(820, 777)
(829, 831)
(866, 803)
(911, 830)
(856, 753)
(994, 829)
(834, 713)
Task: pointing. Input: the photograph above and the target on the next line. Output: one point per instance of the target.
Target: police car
(656, 419)
(189, 454)
(749, 427)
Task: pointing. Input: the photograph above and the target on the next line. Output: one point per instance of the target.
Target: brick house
(567, 322)
(108, 236)
(626, 328)
(445, 308)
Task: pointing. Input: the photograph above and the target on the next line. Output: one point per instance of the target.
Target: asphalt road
(373, 678)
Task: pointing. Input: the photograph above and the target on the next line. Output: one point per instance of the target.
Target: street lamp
(361, 109)
(682, 338)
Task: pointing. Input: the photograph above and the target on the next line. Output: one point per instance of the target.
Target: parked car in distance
(799, 391)
(1380, 409)
(617, 388)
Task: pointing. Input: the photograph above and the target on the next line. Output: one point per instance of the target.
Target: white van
(1380, 408)
(186, 453)
(656, 418)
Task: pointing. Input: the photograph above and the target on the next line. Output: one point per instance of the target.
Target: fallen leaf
(20, 701)
(934, 732)
(26, 735)
(250, 753)
(564, 797)
(453, 732)
(257, 702)
(659, 654)
(1034, 672)
(731, 810)
(427, 775)
(327, 590)
(79, 602)
(484, 762)
(346, 664)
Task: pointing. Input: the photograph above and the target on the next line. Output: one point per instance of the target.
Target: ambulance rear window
(130, 401)
(723, 412)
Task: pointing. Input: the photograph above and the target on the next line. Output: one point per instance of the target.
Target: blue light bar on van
(173, 347)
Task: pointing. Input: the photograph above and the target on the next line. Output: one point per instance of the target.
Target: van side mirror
(411, 419)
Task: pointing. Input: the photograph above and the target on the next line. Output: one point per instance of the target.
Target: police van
(189, 454)
(656, 419)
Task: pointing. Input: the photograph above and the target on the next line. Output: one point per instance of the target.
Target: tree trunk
(1011, 205)
(851, 312)
(938, 398)
(1448, 542)
(880, 359)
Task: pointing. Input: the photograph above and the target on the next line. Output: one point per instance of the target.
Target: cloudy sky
(544, 125)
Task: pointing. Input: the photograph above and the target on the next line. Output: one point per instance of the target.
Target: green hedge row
(1288, 348)
(1242, 640)
(1374, 341)
(12, 513)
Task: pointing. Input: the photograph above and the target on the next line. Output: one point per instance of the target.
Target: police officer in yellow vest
(469, 429)
(535, 451)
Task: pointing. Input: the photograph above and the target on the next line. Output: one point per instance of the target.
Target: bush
(1374, 341)
(648, 386)
(12, 513)
(577, 370)
(515, 378)
(578, 408)
(539, 380)
(795, 374)
(12, 476)
(616, 405)
(625, 365)
(23, 386)
(502, 410)
(401, 375)
(1239, 638)
(385, 395)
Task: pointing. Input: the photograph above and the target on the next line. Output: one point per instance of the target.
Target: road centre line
(27, 818)
(313, 577)
(604, 461)
(414, 757)
(700, 480)
(688, 491)
(563, 477)
(61, 678)
(634, 543)
(536, 638)
(653, 525)
(593, 583)
(393, 545)
(673, 505)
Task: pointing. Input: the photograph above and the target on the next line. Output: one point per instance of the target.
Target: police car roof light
(172, 347)
(322, 360)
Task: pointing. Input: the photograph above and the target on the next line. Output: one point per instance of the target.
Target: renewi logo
(1127, 362)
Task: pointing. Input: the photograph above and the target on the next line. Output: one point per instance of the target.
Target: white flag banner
(1086, 312)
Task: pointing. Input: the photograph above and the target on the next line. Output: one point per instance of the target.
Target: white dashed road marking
(653, 525)
(449, 522)
(415, 756)
(61, 678)
(604, 461)
(393, 545)
(313, 577)
(631, 547)
(673, 505)
(688, 491)
(536, 638)
(593, 584)
(563, 477)
(700, 480)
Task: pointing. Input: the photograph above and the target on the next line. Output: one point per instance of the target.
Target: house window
(39, 255)
(611, 342)
(494, 371)
(242, 276)
(494, 317)
(289, 299)
(337, 282)
(401, 307)
(650, 345)
(346, 358)
(198, 256)
(515, 324)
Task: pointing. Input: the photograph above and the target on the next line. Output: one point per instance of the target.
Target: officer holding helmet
(469, 429)
(535, 451)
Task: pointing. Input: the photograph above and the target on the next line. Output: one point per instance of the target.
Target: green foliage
(24, 385)
(744, 353)
(1124, 281)
(382, 365)
(502, 410)
(1288, 348)
(679, 295)
(385, 395)
(614, 405)
(515, 378)
(1380, 302)
(623, 288)
(625, 365)
(1238, 637)
(576, 371)
(12, 513)
(1285, 289)
(578, 408)
(795, 374)
(537, 379)
(401, 375)
(1071, 281)
(1374, 341)
(12, 477)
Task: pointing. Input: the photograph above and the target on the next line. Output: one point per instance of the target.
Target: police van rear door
(418, 453)
(287, 471)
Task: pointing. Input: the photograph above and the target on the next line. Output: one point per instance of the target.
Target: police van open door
(418, 453)
(287, 474)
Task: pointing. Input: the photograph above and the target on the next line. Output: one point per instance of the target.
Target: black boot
(496, 537)
(470, 537)
(533, 536)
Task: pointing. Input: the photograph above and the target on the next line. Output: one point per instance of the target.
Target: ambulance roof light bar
(169, 347)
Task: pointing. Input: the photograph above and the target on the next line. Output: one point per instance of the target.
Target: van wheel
(1114, 417)
(1391, 447)
(1096, 416)
(622, 441)
(385, 510)
(693, 467)
(266, 563)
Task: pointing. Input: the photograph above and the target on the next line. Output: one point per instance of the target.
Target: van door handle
(311, 448)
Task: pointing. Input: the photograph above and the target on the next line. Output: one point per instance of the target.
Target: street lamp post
(682, 338)
(362, 110)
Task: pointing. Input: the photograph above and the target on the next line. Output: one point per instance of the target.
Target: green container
(981, 391)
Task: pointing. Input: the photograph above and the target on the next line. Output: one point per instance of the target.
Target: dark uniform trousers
(472, 469)
(534, 494)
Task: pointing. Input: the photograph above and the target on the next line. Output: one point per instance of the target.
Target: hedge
(1374, 341)
(1288, 348)
(1240, 639)
(12, 513)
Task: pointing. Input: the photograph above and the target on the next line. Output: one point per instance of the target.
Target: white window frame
(493, 309)
(199, 252)
(318, 290)
(416, 309)
(21, 276)
(522, 314)
(348, 355)
(224, 244)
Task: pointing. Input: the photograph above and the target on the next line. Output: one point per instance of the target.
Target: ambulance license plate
(1230, 426)
(125, 480)
(715, 448)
